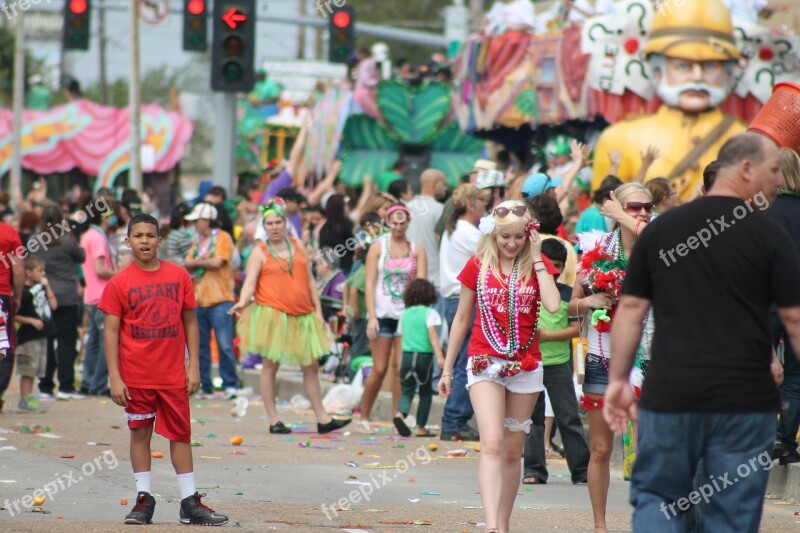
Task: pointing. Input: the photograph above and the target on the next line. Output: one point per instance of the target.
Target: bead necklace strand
(278, 258)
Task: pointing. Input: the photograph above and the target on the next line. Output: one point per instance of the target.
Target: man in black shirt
(711, 269)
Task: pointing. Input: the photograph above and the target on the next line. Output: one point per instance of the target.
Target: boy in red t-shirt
(149, 322)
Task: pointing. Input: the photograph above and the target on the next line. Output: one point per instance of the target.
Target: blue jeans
(790, 390)
(458, 408)
(217, 318)
(736, 454)
(95, 368)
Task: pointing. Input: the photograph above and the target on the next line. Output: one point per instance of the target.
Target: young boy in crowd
(149, 322)
(556, 331)
(36, 324)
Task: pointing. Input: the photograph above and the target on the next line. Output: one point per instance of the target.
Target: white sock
(186, 485)
(144, 482)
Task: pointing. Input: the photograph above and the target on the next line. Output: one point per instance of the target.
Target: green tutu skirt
(283, 338)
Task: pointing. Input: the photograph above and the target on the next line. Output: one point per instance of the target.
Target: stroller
(336, 360)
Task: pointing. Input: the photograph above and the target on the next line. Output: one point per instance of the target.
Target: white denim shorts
(522, 383)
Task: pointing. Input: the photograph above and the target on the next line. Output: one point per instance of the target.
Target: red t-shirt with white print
(152, 341)
(496, 295)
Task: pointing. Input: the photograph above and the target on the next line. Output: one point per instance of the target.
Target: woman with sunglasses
(285, 324)
(502, 285)
(627, 216)
(607, 253)
(392, 263)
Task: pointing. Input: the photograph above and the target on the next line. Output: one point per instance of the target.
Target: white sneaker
(45, 397)
(230, 393)
(69, 396)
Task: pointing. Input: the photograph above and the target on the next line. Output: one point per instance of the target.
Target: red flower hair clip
(532, 225)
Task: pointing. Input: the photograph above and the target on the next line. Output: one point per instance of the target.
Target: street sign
(153, 11)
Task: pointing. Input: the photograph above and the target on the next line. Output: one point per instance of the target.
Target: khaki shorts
(32, 358)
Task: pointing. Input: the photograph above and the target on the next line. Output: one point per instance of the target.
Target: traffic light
(195, 25)
(233, 45)
(342, 32)
(77, 18)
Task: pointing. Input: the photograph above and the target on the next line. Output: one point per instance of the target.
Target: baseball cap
(204, 211)
(538, 183)
(484, 164)
(490, 178)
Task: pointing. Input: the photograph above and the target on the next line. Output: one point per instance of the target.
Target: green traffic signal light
(232, 72)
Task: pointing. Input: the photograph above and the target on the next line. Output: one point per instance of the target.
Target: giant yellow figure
(692, 55)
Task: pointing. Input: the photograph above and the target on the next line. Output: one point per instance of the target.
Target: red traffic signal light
(196, 7)
(342, 19)
(195, 25)
(77, 6)
(77, 23)
(342, 35)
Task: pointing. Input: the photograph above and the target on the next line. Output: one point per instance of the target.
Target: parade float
(404, 120)
(94, 139)
(613, 75)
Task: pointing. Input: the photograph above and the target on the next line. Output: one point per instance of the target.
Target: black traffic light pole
(232, 60)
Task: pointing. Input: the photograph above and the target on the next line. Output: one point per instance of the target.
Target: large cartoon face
(692, 86)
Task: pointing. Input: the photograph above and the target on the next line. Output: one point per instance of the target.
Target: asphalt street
(300, 482)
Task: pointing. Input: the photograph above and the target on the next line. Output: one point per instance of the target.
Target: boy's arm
(559, 334)
(30, 321)
(192, 332)
(119, 391)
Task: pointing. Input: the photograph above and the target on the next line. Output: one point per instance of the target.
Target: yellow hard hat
(700, 30)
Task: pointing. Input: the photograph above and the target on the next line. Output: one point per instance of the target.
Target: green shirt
(358, 281)
(39, 98)
(414, 324)
(267, 90)
(386, 178)
(554, 352)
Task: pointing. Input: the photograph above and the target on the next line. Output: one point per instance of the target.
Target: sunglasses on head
(502, 212)
(637, 206)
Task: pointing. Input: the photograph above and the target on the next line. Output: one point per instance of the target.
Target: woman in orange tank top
(284, 325)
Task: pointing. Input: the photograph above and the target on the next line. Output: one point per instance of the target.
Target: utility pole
(476, 10)
(135, 173)
(19, 89)
(301, 31)
(101, 48)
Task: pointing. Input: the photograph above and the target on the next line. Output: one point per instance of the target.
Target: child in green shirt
(418, 326)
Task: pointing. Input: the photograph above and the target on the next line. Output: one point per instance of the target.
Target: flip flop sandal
(428, 433)
(401, 427)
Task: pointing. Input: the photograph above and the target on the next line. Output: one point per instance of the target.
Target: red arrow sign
(232, 16)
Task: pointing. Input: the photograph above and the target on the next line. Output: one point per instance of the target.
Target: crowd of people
(479, 293)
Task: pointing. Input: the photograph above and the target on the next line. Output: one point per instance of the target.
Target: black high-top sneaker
(142, 512)
(194, 512)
